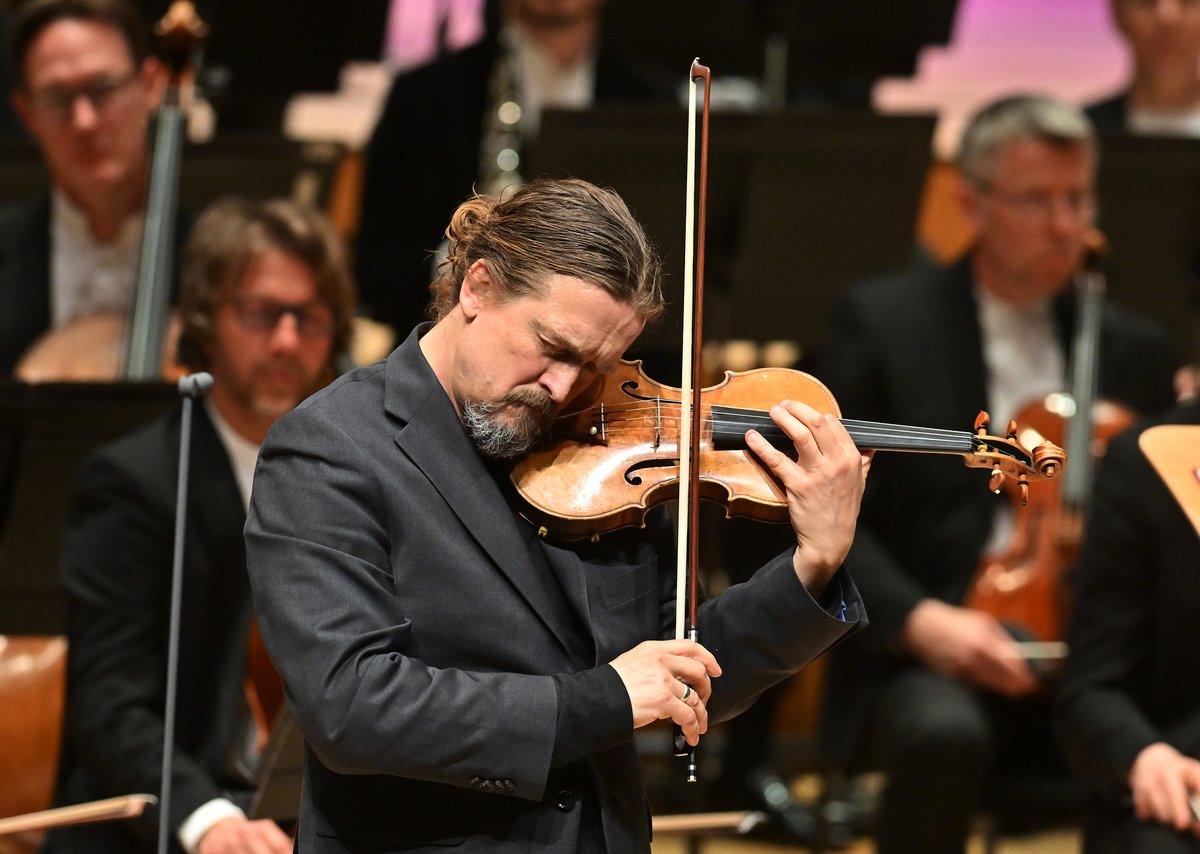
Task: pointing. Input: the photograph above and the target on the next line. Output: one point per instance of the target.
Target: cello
(1024, 586)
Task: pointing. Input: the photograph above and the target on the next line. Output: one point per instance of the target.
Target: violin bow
(688, 549)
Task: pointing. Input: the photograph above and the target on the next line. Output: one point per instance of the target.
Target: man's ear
(152, 77)
(475, 290)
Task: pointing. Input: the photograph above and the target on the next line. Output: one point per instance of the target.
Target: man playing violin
(461, 680)
(940, 695)
(85, 89)
(266, 304)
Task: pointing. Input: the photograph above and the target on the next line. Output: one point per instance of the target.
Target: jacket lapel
(431, 435)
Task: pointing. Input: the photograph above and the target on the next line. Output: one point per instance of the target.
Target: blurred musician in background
(1128, 711)
(266, 302)
(85, 87)
(465, 122)
(936, 694)
(1163, 95)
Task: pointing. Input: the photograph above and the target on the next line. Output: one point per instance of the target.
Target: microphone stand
(191, 386)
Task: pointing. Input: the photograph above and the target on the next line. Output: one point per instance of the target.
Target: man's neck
(107, 212)
(568, 44)
(1005, 288)
(249, 425)
(1172, 90)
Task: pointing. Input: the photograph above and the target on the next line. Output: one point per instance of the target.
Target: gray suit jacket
(448, 668)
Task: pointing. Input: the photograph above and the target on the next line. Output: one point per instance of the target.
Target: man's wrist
(202, 820)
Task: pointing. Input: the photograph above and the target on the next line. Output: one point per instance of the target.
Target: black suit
(1128, 682)
(448, 668)
(908, 349)
(116, 569)
(24, 278)
(1110, 115)
(423, 161)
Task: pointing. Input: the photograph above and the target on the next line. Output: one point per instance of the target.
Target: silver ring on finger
(687, 692)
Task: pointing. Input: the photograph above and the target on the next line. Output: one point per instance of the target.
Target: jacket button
(565, 800)
(508, 785)
(485, 785)
(475, 781)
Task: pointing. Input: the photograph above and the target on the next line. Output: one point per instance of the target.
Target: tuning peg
(995, 479)
(1023, 487)
(981, 422)
(1012, 431)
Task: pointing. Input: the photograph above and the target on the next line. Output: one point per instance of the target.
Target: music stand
(45, 432)
(1149, 194)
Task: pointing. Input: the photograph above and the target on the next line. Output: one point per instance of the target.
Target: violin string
(731, 423)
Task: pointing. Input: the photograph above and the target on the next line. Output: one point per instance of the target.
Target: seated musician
(938, 694)
(85, 87)
(266, 302)
(1128, 713)
(461, 680)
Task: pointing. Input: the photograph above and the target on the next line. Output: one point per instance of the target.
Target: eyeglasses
(59, 102)
(1037, 204)
(261, 316)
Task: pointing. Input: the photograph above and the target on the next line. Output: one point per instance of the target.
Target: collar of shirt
(545, 83)
(1167, 122)
(89, 275)
(242, 453)
(1021, 352)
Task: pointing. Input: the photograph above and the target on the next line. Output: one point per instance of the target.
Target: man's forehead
(71, 45)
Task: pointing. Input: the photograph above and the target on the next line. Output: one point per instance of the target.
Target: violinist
(266, 302)
(938, 695)
(461, 680)
(85, 89)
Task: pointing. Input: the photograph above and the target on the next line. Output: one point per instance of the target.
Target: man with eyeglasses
(266, 305)
(85, 87)
(939, 695)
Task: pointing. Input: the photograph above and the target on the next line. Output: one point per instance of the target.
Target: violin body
(1023, 587)
(615, 453)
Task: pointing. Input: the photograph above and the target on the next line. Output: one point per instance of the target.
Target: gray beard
(514, 434)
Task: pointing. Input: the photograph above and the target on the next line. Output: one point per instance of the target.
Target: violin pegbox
(1006, 457)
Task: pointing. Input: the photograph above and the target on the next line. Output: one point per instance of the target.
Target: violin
(615, 453)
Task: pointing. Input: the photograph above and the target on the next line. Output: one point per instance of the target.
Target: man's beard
(508, 428)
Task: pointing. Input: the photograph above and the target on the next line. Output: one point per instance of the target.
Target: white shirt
(243, 455)
(88, 275)
(1024, 362)
(1165, 122)
(544, 83)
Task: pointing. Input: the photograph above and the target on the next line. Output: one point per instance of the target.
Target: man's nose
(559, 379)
(83, 113)
(286, 334)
